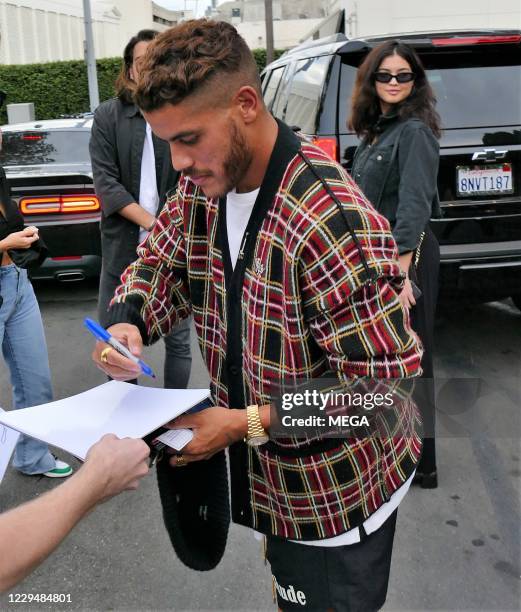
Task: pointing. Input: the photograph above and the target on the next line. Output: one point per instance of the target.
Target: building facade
(37, 31)
(253, 10)
(292, 19)
(372, 17)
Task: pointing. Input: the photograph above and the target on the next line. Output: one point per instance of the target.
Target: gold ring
(180, 461)
(104, 354)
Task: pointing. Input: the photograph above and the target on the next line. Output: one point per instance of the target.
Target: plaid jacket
(298, 304)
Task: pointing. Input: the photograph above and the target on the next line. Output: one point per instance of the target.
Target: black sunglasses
(387, 77)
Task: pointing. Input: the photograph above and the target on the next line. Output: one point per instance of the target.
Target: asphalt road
(456, 548)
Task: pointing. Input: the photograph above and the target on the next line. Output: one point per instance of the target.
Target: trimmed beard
(237, 161)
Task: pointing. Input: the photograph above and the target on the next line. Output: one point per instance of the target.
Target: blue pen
(103, 335)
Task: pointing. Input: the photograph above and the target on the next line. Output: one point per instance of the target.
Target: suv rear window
(35, 148)
(467, 84)
(305, 93)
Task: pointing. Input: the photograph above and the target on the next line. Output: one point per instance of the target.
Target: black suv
(476, 77)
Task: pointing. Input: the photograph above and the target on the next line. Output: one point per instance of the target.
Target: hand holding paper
(113, 465)
(76, 423)
(213, 429)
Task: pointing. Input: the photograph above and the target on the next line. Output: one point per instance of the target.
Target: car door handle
(489, 155)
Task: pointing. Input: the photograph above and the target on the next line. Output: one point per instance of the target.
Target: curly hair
(125, 86)
(365, 104)
(193, 56)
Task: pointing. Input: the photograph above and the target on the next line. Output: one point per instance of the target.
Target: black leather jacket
(403, 188)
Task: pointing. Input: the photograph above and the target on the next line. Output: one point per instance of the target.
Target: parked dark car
(476, 77)
(48, 166)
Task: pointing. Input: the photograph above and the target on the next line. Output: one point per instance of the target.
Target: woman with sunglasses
(396, 166)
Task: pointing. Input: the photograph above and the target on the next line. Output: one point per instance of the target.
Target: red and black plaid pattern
(321, 495)
(307, 307)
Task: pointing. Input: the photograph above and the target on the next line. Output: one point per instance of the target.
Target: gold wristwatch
(256, 435)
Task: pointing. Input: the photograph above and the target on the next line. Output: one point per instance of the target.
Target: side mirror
(3, 96)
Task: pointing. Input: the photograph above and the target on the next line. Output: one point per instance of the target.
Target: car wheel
(517, 300)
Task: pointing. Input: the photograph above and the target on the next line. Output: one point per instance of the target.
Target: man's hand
(117, 366)
(214, 429)
(30, 533)
(115, 465)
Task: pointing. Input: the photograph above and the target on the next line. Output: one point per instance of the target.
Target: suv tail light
(476, 40)
(45, 205)
(328, 145)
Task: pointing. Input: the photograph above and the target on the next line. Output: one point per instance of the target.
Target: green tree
(61, 88)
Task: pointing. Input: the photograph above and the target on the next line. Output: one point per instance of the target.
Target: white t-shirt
(148, 195)
(238, 210)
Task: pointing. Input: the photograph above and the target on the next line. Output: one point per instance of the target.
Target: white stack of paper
(76, 423)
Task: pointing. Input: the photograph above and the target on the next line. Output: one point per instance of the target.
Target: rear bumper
(483, 271)
(74, 249)
(85, 266)
(460, 252)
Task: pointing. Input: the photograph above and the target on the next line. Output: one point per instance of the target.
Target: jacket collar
(386, 121)
(130, 110)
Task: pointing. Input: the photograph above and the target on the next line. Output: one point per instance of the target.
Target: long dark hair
(365, 104)
(124, 84)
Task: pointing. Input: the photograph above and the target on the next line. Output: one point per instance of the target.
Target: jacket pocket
(378, 163)
(376, 172)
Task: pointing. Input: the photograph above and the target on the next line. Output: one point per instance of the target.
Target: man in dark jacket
(132, 174)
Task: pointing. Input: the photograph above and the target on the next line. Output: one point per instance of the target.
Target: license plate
(485, 180)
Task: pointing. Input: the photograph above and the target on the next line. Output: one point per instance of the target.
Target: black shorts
(344, 578)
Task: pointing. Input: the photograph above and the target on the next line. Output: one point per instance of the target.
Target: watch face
(258, 440)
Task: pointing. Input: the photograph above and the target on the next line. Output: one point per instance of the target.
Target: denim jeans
(25, 352)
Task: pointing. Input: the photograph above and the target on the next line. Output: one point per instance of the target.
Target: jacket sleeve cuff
(122, 312)
(406, 244)
(116, 204)
(405, 248)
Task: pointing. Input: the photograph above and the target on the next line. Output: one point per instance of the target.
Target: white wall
(286, 33)
(370, 17)
(34, 31)
(137, 15)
